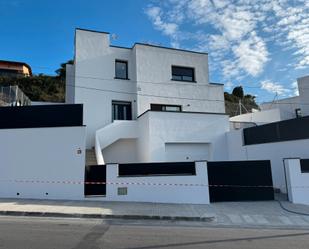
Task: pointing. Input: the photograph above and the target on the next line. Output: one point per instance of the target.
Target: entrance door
(93, 175)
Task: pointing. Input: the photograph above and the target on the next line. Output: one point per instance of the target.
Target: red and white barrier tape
(144, 184)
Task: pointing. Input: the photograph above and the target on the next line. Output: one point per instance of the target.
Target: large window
(121, 110)
(183, 73)
(121, 69)
(165, 108)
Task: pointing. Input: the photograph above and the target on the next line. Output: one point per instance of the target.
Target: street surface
(56, 233)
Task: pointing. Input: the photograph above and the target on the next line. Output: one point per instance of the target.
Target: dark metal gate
(95, 178)
(240, 181)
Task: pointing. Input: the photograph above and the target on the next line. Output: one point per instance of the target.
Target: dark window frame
(304, 165)
(152, 107)
(127, 67)
(182, 80)
(121, 102)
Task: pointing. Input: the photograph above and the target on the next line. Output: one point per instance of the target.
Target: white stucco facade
(153, 136)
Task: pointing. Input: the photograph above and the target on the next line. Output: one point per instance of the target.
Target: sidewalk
(99, 209)
(242, 214)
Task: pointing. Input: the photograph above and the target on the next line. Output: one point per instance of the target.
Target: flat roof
(143, 44)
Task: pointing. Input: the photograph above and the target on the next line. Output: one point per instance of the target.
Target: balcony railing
(13, 96)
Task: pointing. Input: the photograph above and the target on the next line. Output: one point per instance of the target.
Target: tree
(232, 101)
(61, 72)
(238, 92)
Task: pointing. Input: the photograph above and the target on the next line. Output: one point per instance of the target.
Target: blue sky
(262, 45)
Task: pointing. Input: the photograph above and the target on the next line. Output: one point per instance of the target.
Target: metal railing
(13, 96)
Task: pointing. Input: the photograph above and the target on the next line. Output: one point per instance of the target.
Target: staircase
(119, 129)
(90, 157)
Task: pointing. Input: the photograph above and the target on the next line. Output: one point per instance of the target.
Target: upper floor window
(121, 69)
(165, 108)
(183, 73)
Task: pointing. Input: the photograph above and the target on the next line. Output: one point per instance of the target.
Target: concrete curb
(106, 216)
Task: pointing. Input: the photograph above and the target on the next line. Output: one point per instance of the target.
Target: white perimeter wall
(275, 152)
(154, 193)
(42, 154)
(298, 182)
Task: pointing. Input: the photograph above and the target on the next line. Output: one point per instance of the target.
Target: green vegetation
(232, 102)
(40, 87)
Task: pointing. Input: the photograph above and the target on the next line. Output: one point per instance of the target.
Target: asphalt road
(41, 233)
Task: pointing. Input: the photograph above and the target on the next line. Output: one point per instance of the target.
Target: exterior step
(90, 157)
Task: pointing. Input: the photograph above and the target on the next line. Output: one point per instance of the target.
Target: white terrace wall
(167, 133)
(297, 182)
(275, 152)
(175, 192)
(259, 117)
(42, 154)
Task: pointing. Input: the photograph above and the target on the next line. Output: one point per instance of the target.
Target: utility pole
(239, 105)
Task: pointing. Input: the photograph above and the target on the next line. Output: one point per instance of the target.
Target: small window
(121, 69)
(183, 73)
(121, 110)
(165, 108)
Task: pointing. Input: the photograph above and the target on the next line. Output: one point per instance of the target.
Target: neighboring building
(146, 103)
(14, 69)
(295, 106)
(277, 110)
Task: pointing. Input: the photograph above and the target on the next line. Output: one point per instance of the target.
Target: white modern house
(157, 130)
(146, 103)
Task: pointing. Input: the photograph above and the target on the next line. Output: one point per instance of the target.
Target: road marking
(285, 220)
(248, 219)
(235, 218)
(260, 219)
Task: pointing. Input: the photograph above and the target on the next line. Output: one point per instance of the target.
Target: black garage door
(242, 180)
(95, 174)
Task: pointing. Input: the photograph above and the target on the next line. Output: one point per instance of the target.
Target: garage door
(240, 181)
(177, 152)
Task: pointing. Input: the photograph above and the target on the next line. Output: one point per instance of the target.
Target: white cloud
(251, 55)
(228, 86)
(293, 25)
(154, 14)
(237, 34)
(273, 87)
